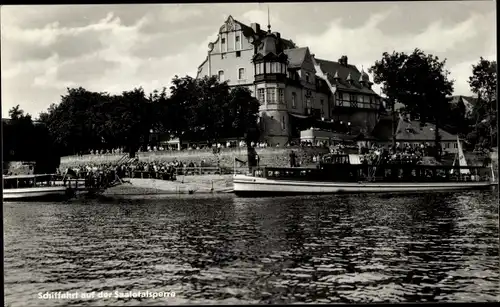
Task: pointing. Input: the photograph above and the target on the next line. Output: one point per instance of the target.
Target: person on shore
(292, 159)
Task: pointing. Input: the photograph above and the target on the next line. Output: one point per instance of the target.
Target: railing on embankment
(187, 171)
(276, 156)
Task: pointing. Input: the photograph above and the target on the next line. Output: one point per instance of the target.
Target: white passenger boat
(28, 187)
(258, 185)
(345, 174)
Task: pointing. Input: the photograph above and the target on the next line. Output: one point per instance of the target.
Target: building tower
(271, 64)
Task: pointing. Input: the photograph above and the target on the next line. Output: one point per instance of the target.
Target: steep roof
(410, 130)
(248, 31)
(343, 72)
(467, 100)
(383, 129)
(296, 56)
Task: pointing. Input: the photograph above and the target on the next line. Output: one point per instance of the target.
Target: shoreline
(194, 184)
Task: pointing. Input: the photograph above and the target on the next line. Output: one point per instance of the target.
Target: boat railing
(392, 172)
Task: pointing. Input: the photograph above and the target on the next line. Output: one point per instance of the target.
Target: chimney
(344, 60)
(255, 27)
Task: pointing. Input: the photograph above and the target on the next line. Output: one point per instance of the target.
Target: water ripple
(226, 250)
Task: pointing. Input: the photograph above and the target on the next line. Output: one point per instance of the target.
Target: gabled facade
(295, 89)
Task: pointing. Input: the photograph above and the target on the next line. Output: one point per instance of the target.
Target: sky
(113, 48)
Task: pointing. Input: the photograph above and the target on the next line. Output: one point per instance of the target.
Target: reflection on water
(439, 247)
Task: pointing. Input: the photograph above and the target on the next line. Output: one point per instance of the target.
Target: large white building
(295, 89)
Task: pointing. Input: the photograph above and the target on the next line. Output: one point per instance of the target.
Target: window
(221, 75)
(322, 102)
(237, 38)
(223, 56)
(283, 124)
(238, 54)
(294, 98)
(308, 102)
(260, 95)
(241, 74)
(353, 100)
(281, 93)
(271, 95)
(307, 77)
(257, 69)
(268, 68)
(223, 41)
(274, 68)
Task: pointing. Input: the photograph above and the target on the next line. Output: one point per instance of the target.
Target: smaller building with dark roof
(413, 133)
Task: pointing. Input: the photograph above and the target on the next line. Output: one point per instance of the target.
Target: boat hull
(248, 186)
(38, 193)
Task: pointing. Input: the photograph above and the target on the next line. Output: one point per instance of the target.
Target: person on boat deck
(292, 159)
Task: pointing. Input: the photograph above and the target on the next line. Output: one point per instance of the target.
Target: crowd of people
(103, 174)
(229, 144)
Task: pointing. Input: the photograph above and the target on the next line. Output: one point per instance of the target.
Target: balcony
(270, 78)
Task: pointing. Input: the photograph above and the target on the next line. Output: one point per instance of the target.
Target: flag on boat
(238, 160)
(71, 173)
(461, 159)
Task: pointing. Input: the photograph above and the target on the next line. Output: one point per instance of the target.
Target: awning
(298, 115)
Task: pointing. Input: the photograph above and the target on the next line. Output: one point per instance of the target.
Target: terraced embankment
(272, 156)
(183, 185)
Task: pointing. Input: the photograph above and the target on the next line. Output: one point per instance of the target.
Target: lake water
(229, 250)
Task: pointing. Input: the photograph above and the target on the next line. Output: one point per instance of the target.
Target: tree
(73, 123)
(25, 140)
(130, 120)
(16, 113)
(244, 112)
(179, 118)
(208, 110)
(483, 83)
(211, 109)
(418, 81)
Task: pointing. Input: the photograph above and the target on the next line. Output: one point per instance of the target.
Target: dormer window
(307, 77)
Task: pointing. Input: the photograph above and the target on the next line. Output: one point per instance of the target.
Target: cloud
(366, 43)
(118, 47)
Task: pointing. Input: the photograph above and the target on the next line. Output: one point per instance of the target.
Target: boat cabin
(383, 173)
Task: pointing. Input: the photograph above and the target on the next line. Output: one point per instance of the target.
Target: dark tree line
(206, 110)
(420, 82)
(202, 110)
(26, 140)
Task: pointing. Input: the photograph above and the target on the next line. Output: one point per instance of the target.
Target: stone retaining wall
(268, 156)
